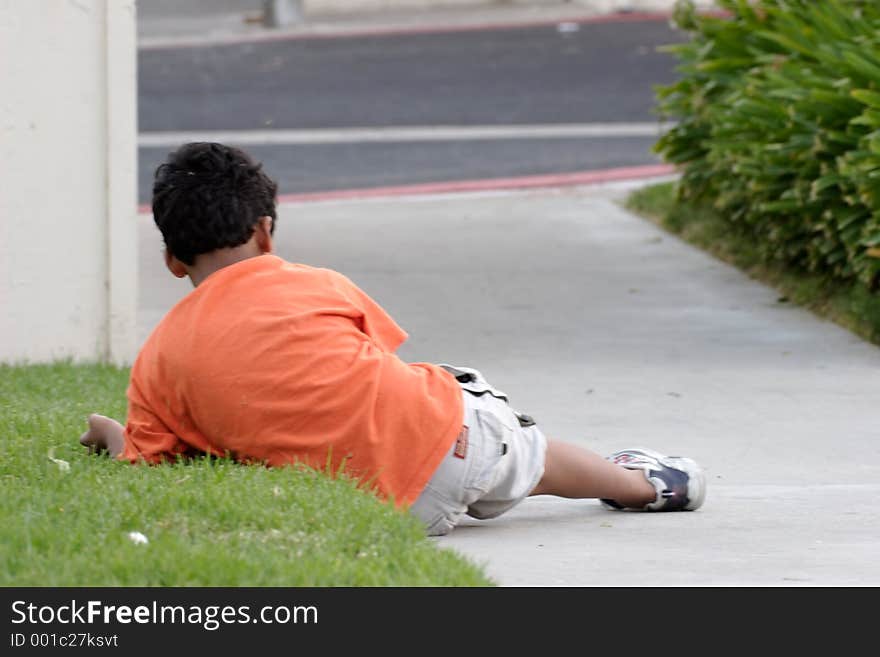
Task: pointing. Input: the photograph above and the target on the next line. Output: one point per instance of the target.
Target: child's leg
(572, 471)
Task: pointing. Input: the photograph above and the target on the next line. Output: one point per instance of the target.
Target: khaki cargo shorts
(495, 463)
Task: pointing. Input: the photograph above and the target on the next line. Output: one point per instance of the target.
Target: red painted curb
(619, 17)
(548, 181)
(487, 184)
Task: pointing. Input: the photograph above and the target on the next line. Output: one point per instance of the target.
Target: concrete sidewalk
(613, 334)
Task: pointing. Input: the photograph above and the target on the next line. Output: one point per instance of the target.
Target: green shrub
(778, 110)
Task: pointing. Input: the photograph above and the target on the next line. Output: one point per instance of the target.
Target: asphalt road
(520, 76)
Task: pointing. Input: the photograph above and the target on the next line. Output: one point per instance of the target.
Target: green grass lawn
(852, 306)
(208, 523)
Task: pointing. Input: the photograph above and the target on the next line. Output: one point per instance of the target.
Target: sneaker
(680, 482)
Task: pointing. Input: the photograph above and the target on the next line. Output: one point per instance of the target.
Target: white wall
(68, 124)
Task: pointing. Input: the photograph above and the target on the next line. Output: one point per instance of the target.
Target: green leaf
(870, 98)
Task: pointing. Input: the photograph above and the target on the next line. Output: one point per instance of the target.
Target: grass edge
(849, 305)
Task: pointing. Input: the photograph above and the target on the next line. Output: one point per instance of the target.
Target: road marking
(404, 134)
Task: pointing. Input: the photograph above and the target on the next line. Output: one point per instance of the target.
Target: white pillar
(281, 13)
(68, 177)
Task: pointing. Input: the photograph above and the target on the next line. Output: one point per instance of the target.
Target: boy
(278, 363)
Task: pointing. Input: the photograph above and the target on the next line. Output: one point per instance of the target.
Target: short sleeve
(377, 323)
(147, 438)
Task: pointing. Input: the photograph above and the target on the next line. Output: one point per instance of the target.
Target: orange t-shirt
(274, 362)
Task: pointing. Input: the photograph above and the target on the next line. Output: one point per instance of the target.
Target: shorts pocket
(473, 381)
(495, 434)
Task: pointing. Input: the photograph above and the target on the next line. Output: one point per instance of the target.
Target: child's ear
(264, 234)
(174, 265)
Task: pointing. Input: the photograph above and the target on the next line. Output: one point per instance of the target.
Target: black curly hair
(209, 196)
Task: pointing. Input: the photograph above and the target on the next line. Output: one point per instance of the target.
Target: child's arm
(104, 434)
